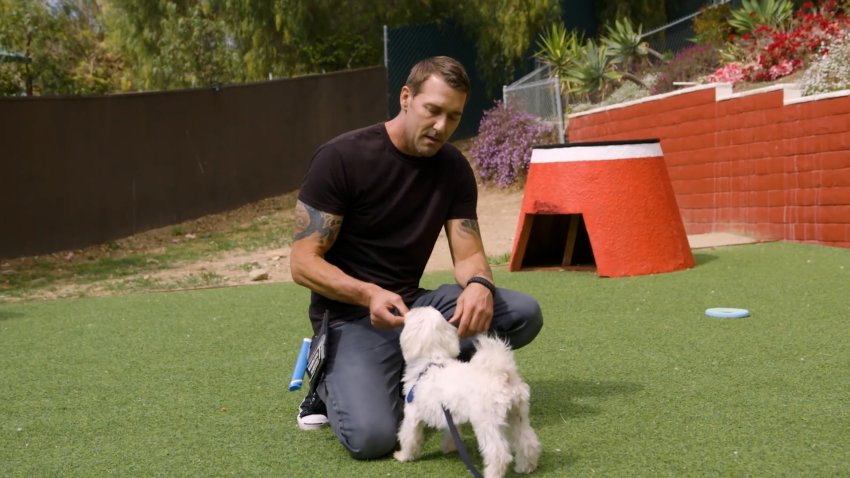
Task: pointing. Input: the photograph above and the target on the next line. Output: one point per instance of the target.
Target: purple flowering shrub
(502, 149)
(690, 63)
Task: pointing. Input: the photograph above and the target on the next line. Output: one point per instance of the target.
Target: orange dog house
(605, 206)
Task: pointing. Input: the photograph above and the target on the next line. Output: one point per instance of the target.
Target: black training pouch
(318, 354)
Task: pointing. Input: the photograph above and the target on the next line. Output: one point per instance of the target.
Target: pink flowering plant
(770, 53)
(729, 73)
(502, 149)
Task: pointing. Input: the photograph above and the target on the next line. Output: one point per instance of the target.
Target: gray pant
(362, 383)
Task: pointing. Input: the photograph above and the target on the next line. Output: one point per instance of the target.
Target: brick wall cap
(791, 91)
(821, 96)
(723, 90)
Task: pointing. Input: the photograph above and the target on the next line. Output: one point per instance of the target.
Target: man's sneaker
(313, 413)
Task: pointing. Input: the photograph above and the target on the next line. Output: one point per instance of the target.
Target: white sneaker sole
(312, 422)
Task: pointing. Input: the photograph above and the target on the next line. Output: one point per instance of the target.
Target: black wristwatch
(486, 283)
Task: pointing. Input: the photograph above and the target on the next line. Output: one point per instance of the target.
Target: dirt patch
(498, 212)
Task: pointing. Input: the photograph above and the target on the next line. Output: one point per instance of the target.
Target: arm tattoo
(470, 227)
(309, 220)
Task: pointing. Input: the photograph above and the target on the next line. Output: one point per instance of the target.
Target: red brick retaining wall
(766, 163)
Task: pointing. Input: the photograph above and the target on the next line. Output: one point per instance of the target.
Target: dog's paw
(403, 456)
(526, 464)
(447, 444)
(525, 468)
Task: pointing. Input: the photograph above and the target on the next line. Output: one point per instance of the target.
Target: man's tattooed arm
(466, 247)
(315, 232)
(309, 221)
(470, 227)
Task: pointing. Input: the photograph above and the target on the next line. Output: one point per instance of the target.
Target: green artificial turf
(628, 377)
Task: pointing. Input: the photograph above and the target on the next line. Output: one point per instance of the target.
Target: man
(369, 212)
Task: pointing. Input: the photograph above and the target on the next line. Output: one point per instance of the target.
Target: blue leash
(461, 450)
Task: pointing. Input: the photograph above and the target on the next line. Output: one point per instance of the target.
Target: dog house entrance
(558, 241)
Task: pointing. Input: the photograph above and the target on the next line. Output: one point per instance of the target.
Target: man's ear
(405, 97)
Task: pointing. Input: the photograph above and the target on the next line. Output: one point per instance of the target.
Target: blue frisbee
(727, 313)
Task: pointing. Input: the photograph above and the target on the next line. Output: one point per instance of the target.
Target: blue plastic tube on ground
(300, 366)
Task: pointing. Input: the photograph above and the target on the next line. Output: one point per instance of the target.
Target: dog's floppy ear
(427, 334)
(447, 333)
(412, 346)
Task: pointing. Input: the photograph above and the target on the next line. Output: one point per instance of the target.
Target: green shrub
(712, 26)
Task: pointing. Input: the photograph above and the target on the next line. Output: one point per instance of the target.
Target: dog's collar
(409, 397)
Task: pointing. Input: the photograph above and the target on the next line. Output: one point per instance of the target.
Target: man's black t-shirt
(393, 207)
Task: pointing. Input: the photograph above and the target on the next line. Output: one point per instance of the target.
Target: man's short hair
(449, 69)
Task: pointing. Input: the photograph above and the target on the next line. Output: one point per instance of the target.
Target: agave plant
(755, 13)
(626, 43)
(594, 70)
(560, 50)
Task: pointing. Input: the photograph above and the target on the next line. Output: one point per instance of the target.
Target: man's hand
(474, 311)
(386, 309)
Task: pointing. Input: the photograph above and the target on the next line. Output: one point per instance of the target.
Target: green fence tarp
(7, 56)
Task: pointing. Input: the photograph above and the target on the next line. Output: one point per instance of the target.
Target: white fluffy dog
(486, 392)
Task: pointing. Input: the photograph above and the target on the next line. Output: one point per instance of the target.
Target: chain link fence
(673, 37)
(676, 35)
(539, 95)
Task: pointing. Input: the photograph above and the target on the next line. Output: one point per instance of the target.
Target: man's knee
(526, 319)
(533, 317)
(372, 442)
(532, 313)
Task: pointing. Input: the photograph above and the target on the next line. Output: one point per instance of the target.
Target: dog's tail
(495, 353)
